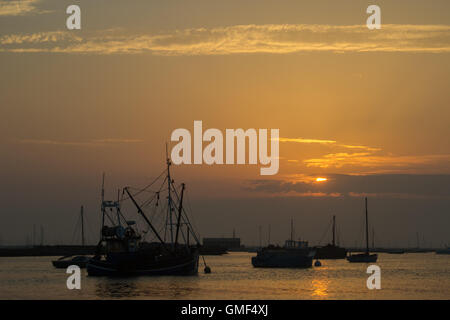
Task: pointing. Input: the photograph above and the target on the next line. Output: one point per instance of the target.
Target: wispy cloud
(19, 7)
(405, 186)
(88, 143)
(328, 142)
(359, 159)
(368, 160)
(245, 39)
(303, 140)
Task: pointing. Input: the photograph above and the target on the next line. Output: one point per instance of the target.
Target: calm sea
(407, 276)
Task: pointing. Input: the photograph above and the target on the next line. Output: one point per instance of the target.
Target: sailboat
(69, 260)
(122, 250)
(331, 251)
(366, 256)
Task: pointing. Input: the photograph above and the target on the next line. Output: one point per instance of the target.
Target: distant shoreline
(36, 251)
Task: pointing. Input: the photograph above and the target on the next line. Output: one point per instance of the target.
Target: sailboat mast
(367, 229)
(82, 226)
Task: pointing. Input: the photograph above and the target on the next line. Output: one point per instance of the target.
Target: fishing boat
(331, 250)
(366, 256)
(69, 260)
(122, 250)
(294, 254)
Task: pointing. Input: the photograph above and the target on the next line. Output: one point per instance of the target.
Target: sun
(320, 179)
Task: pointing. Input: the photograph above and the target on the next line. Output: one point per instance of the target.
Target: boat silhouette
(331, 250)
(294, 254)
(366, 256)
(122, 251)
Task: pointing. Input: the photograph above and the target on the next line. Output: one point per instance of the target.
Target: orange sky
(348, 101)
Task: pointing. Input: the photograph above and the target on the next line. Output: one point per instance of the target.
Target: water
(406, 276)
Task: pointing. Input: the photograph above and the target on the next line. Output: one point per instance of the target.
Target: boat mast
(103, 203)
(180, 209)
(367, 229)
(82, 226)
(169, 207)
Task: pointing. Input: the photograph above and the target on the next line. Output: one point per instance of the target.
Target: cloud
(247, 39)
(368, 160)
(89, 143)
(303, 140)
(19, 7)
(403, 186)
(328, 142)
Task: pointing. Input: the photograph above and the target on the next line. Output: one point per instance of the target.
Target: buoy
(207, 269)
(317, 263)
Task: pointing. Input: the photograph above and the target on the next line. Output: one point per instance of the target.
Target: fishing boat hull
(137, 265)
(283, 259)
(330, 252)
(363, 257)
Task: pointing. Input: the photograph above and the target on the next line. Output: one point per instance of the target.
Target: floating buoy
(317, 263)
(207, 269)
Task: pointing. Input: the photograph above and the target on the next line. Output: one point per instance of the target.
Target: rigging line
(156, 192)
(326, 232)
(75, 230)
(191, 211)
(148, 186)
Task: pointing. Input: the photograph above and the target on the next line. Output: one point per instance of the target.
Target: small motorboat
(66, 261)
(362, 257)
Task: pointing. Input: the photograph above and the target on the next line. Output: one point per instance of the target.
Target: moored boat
(294, 254)
(122, 250)
(366, 256)
(78, 260)
(331, 250)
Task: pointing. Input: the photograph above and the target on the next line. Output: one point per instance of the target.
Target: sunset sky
(368, 110)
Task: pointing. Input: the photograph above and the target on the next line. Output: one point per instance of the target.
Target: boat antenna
(292, 229)
(367, 229)
(82, 226)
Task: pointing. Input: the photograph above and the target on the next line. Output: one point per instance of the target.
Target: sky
(366, 109)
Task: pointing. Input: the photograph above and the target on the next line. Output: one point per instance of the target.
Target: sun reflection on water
(320, 288)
